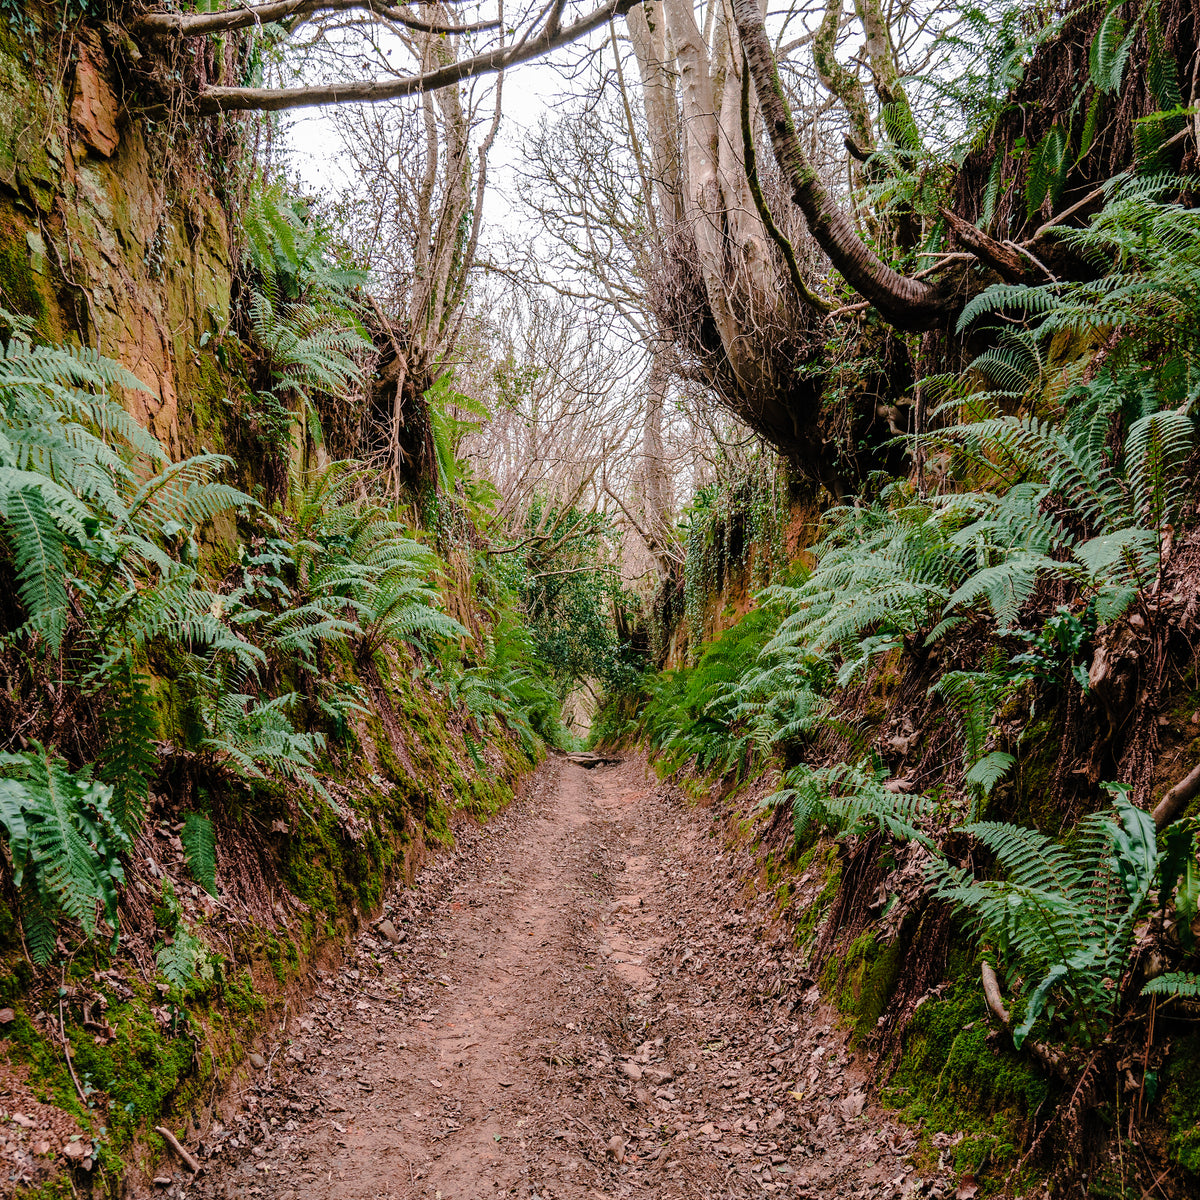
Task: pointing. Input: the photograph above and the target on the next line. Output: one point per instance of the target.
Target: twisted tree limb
(1055, 1061)
(1177, 799)
(904, 302)
(1004, 260)
(810, 296)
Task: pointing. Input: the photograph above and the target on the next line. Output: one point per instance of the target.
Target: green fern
(1064, 916)
(853, 799)
(253, 737)
(973, 697)
(1109, 51)
(178, 959)
(200, 846)
(1047, 172)
(301, 310)
(353, 557)
(129, 761)
(65, 843)
(1176, 983)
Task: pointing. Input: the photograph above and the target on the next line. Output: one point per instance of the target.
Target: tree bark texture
(647, 27)
(756, 322)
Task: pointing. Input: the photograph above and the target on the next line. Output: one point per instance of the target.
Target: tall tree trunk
(656, 496)
(647, 28)
(730, 240)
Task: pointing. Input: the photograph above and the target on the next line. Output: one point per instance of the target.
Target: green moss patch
(955, 1077)
(1182, 1108)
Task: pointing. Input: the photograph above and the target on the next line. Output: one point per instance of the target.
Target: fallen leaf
(967, 1188)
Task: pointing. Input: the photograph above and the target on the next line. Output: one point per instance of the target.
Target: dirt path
(574, 1011)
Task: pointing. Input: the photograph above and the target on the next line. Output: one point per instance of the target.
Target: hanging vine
(732, 523)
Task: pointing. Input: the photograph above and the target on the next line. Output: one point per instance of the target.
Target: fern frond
(129, 761)
(200, 845)
(1175, 983)
(40, 560)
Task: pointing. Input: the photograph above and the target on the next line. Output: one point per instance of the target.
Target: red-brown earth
(571, 1004)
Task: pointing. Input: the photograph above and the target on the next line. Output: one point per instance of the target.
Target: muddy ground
(574, 1003)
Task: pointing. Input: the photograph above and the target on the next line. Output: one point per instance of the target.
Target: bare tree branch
(550, 37)
(242, 17)
(906, 303)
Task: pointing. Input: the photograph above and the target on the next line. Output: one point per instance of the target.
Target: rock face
(99, 246)
(94, 106)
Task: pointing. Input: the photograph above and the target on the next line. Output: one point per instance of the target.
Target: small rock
(256, 1060)
(162, 1181)
(657, 1076)
(42, 1147)
(24, 1121)
(76, 1150)
(7, 1016)
(616, 1147)
(389, 931)
(632, 1071)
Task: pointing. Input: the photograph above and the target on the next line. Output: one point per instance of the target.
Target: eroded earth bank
(574, 1003)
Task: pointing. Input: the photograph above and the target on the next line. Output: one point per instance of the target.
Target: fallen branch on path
(188, 1159)
(594, 760)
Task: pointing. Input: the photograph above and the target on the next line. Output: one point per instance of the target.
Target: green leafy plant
(357, 565)
(973, 697)
(200, 846)
(1058, 648)
(1064, 917)
(851, 798)
(182, 958)
(302, 315)
(77, 473)
(65, 843)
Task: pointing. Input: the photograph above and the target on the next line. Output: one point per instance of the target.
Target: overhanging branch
(904, 302)
(549, 37)
(201, 24)
(811, 297)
